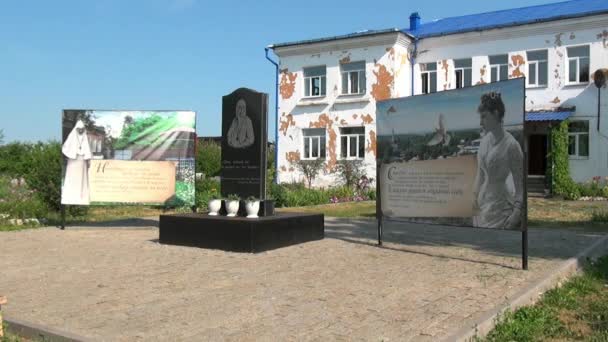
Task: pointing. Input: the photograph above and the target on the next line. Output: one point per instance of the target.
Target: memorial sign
(143, 157)
(454, 157)
(244, 136)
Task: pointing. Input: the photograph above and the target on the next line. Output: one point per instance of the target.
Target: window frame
(499, 68)
(536, 62)
(322, 79)
(321, 141)
(427, 73)
(360, 141)
(361, 86)
(576, 136)
(578, 66)
(462, 71)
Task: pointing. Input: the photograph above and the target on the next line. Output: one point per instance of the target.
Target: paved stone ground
(121, 285)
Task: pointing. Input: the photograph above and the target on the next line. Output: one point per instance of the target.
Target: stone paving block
(121, 285)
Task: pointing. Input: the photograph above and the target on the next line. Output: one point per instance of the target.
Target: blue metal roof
(510, 17)
(345, 36)
(548, 116)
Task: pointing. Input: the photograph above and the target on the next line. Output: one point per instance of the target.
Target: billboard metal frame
(524, 221)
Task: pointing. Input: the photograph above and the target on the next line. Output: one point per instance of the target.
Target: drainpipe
(276, 115)
(413, 61)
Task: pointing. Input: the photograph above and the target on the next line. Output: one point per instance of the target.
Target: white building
(329, 87)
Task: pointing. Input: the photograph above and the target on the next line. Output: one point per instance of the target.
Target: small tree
(209, 158)
(310, 169)
(1, 136)
(350, 171)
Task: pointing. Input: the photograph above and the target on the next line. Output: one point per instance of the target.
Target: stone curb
(37, 332)
(481, 326)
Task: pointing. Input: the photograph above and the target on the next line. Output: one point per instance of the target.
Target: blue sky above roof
(509, 17)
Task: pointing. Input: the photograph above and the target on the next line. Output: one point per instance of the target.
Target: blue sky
(167, 54)
(420, 114)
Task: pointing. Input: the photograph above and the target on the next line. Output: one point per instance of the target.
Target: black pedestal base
(240, 234)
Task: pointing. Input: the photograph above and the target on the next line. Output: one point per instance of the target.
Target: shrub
(279, 194)
(309, 168)
(596, 187)
(13, 159)
(562, 182)
(599, 216)
(20, 202)
(205, 190)
(209, 158)
(350, 172)
(44, 172)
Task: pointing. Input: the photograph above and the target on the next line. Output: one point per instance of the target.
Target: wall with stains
(388, 73)
(555, 37)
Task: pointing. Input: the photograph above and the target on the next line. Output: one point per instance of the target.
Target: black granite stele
(240, 234)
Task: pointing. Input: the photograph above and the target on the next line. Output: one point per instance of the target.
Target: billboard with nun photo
(131, 157)
(454, 157)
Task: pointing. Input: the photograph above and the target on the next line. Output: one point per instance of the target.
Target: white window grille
(578, 64)
(499, 68)
(352, 142)
(537, 68)
(464, 72)
(315, 81)
(428, 73)
(353, 78)
(314, 143)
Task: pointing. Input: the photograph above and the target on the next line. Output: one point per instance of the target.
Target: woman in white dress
(75, 189)
(498, 189)
(240, 133)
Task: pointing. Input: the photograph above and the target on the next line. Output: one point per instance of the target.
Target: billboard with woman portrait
(454, 157)
(130, 157)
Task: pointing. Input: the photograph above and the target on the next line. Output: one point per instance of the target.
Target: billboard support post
(62, 217)
(524, 226)
(378, 204)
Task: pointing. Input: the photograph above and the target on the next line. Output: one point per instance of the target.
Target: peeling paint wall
(555, 37)
(387, 75)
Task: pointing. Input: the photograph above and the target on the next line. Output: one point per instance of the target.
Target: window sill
(577, 85)
(577, 158)
(352, 98)
(312, 101)
(544, 86)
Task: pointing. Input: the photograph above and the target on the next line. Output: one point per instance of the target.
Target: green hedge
(562, 182)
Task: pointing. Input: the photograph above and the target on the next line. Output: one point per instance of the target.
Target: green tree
(208, 158)
(1, 136)
(309, 168)
(350, 171)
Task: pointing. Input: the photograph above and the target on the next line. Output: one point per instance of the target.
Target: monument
(244, 141)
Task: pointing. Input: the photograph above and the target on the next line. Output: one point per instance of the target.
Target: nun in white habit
(76, 148)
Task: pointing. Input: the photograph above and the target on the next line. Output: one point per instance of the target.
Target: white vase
(214, 207)
(232, 207)
(252, 208)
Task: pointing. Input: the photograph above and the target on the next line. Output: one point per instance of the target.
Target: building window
(428, 72)
(578, 139)
(537, 68)
(499, 68)
(578, 64)
(352, 142)
(314, 81)
(353, 78)
(463, 69)
(314, 143)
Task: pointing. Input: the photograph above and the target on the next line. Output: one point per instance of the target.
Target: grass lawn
(542, 212)
(96, 214)
(578, 310)
(550, 213)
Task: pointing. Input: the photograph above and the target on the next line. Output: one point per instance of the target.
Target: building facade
(329, 87)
